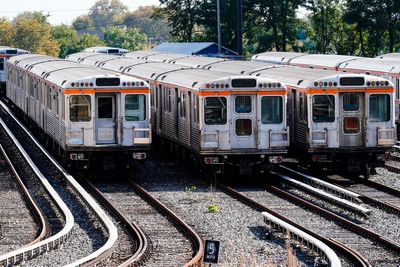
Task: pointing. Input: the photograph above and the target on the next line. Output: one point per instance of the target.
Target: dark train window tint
(243, 104)
(113, 51)
(352, 81)
(351, 125)
(105, 108)
(1, 63)
(243, 127)
(79, 108)
(215, 110)
(135, 107)
(379, 107)
(351, 102)
(183, 105)
(271, 109)
(244, 83)
(11, 52)
(323, 108)
(107, 82)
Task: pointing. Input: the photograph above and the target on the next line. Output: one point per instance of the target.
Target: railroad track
(161, 238)
(330, 228)
(76, 221)
(22, 222)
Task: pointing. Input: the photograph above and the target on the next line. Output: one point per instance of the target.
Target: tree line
(348, 27)
(108, 23)
(352, 27)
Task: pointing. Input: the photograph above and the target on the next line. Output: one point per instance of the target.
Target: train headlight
(275, 159)
(211, 160)
(139, 156)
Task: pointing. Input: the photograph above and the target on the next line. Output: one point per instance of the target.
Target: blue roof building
(206, 49)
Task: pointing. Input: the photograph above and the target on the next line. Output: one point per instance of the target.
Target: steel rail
(196, 240)
(27, 252)
(108, 247)
(37, 213)
(131, 227)
(350, 253)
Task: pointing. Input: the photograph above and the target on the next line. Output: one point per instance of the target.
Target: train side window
(323, 109)
(195, 108)
(1, 63)
(135, 107)
(169, 100)
(301, 105)
(215, 111)
(379, 107)
(80, 108)
(271, 109)
(183, 105)
(48, 97)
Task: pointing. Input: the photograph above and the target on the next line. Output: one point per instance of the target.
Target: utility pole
(239, 27)
(219, 27)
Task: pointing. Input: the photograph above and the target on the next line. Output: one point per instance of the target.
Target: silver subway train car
(215, 118)
(86, 115)
(335, 120)
(5, 53)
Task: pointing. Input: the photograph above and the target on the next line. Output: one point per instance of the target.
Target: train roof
(276, 57)
(238, 66)
(196, 61)
(199, 78)
(140, 54)
(306, 78)
(373, 65)
(107, 50)
(389, 56)
(64, 73)
(324, 61)
(11, 51)
(164, 57)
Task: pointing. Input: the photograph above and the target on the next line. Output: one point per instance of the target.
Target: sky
(60, 11)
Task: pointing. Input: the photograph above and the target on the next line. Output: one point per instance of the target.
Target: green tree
(7, 32)
(88, 40)
(128, 38)
(35, 36)
(145, 20)
(67, 39)
(181, 15)
(83, 23)
(105, 13)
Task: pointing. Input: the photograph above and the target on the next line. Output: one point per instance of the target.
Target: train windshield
(323, 109)
(271, 109)
(379, 107)
(79, 108)
(215, 110)
(135, 107)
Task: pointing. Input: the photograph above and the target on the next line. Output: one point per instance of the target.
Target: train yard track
(323, 225)
(22, 221)
(75, 219)
(160, 237)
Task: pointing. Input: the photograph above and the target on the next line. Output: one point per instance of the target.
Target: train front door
(352, 116)
(243, 121)
(106, 119)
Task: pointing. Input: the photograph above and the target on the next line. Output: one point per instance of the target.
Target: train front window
(271, 109)
(1, 63)
(243, 127)
(379, 107)
(135, 107)
(215, 110)
(323, 108)
(243, 104)
(79, 108)
(351, 102)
